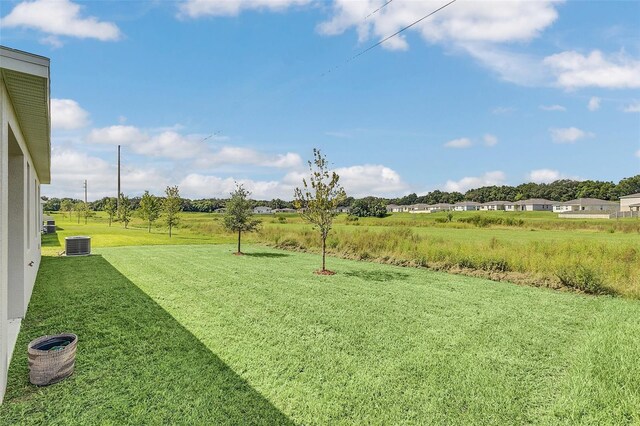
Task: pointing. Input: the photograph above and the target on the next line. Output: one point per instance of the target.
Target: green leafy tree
(171, 207)
(369, 207)
(124, 210)
(628, 186)
(66, 206)
(149, 209)
(238, 215)
(111, 208)
(79, 209)
(319, 198)
(87, 212)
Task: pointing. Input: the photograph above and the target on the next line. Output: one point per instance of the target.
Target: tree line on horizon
(560, 190)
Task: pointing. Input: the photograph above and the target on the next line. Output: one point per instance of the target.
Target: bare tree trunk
(169, 231)
(239, 241)
(324, 250)
(149, 226)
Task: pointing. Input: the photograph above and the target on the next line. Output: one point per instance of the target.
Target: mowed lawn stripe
(382, 344)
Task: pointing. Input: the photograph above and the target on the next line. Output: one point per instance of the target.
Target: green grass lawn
(194, 335)
(103, 235)
(590, 254)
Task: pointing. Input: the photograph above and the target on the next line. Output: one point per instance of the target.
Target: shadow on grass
(135, 363)
(378, 276)
(267, 255)
(50, 240)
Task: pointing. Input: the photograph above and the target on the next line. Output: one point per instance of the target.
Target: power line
(377, 10)
(373, 46)
(211, 135)
(399, 31)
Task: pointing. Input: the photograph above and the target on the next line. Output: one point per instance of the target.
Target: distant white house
(587, 205)
(440, 207)
(463, 206)
(262, 210)
(530, 205)
(343, 210)
(420, 208)
(394, 208)
(494, 205)
(630, 203)
(25, 164)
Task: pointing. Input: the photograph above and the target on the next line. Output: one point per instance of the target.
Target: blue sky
(481, 93)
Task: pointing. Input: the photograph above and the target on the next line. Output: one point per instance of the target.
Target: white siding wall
(626, 202)
(20, 239)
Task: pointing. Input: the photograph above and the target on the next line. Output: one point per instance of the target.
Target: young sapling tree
(171, 207)
(238, 216)
(319, 199)
(111, 208)
(149, 209)
(124, 211)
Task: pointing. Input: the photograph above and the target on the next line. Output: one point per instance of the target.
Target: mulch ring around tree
(324, 272)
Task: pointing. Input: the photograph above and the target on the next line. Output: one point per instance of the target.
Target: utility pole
(118, 196)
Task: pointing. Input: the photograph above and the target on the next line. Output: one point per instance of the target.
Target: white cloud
(574, 70)
(517, 68)
(59, 18)
(176, 146)
(199, 8)
(490, 178)
(371, 179)
(117, 135)
(632, 107)
(52, 41)
(491, 22)
(547, 176)
(569, 135)
(472, 27)
(638, 153)
(70, 168)
(594, 104)
(552, 108)
(358, 181)
(490, 140)
(204, 186)
(458, 143)
(66, 114)
(544, 176)
(240, 155)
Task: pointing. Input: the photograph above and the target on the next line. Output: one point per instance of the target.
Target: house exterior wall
(537, 207)
(626, 202)
(568, 215)
(465, 208)
(586, 208)
(19, 226)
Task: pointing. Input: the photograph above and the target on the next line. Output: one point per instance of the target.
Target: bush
(582, 278)
(482, 221)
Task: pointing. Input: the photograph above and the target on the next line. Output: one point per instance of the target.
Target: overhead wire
(377, 10)
(373, 46)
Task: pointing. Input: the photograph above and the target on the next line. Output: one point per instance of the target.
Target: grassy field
(532, 248)
(194, 335)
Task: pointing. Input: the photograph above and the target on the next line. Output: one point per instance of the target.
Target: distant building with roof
(587, 205)
(630, 203)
